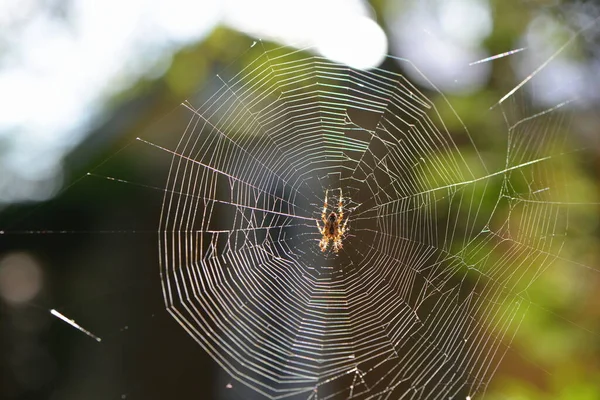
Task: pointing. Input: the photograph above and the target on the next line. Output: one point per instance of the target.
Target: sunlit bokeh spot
(20, 278)
(342, 31)
(442, 38)
(567, 75)
(358, 42)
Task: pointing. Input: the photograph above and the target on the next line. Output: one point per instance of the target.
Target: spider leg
(340, 208)
(323, 244)
(324, 214)
(337, 245)
(344, 229)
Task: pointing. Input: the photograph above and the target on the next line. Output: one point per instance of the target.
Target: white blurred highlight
(20, 278)
(55, 75)
(358, 42)
(342, 31)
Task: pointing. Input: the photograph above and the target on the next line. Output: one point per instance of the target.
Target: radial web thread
(431, 284)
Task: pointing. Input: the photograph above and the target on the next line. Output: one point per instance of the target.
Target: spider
(333, 229)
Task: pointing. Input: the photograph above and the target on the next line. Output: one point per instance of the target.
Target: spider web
(443, 242)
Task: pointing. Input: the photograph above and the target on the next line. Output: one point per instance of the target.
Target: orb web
(430, 285)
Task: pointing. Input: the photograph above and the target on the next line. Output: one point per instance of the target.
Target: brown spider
(333, 229)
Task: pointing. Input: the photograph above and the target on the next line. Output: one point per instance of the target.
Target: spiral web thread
(424, 298)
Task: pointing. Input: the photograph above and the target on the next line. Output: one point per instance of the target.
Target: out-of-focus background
(81, 79)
